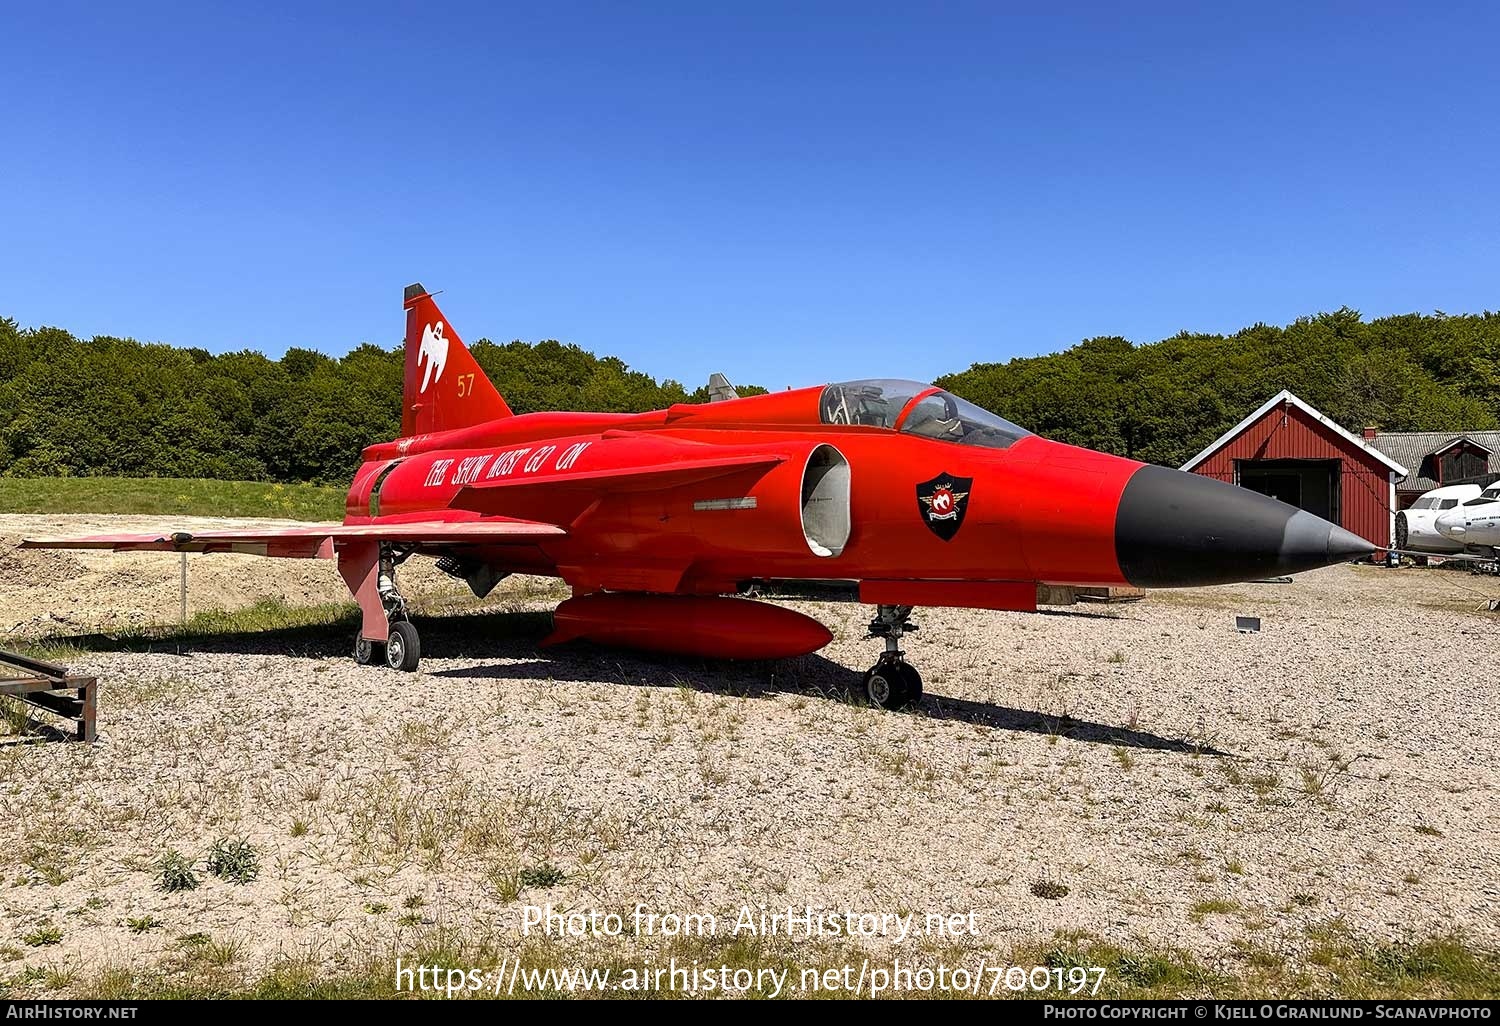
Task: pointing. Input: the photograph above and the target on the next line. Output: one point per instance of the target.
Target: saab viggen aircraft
(895, 493)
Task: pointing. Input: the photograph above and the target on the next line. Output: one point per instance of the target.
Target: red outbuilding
(1290, 451)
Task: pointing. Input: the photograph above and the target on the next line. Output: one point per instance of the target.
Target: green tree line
(117, 407)
(1165, 401)
(110, 406)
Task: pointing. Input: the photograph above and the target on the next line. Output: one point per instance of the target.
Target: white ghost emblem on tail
(433, 352)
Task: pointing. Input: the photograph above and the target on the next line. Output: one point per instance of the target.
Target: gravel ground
(1188, 785)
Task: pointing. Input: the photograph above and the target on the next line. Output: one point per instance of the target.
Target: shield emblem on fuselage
(943, 502)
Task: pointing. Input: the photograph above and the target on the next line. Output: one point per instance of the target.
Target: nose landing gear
(892, 683)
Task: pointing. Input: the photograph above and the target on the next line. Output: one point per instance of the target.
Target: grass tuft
(541, 876)
(1051, 890)
(234, 860)
(43, 936)
(175, 873)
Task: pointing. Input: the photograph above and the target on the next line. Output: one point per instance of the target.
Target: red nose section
(691, 625)
(1062, 507)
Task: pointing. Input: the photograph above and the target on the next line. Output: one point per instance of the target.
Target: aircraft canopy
(917, 409)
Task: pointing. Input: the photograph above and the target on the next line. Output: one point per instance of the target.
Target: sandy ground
(1188, 785)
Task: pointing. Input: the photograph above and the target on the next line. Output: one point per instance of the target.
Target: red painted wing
(315, 541)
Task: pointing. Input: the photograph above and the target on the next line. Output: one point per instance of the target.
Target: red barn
(1290, 451)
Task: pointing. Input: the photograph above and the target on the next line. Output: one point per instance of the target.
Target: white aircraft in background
(1474, 522)
(1416, 526)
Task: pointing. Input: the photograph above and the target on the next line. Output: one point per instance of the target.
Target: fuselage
(1473, 522)
(1417, 526)
(905, 493)
(902, 506)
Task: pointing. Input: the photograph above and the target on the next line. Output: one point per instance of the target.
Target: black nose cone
(1175, 530)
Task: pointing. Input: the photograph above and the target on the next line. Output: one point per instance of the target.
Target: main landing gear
(892, 683)
(402, 648)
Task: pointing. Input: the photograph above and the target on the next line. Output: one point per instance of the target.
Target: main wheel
(403, 649)
(367, 651)
(892, 685)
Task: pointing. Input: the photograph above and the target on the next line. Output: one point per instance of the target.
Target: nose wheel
(892, 683)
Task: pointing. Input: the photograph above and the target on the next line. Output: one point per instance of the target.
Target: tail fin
(444, 387)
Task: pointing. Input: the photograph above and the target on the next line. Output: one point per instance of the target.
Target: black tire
(1401, 530)
(403, 650)
(367, 651)
(891, 685)
(913, 684)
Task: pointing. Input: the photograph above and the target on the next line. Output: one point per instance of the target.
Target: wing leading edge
(314, 541)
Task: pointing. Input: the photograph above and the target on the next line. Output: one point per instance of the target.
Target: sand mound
(37, 567)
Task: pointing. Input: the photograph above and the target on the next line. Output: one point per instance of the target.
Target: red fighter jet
(895, 493)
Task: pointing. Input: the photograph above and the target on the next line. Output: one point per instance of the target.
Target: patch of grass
(221, 953)
(58, 978)
(269, 614)
(507, 884)
(541, 876)
(1214, 907)
(299, 827)
(1427, 830)
(170, 495)
(151, 691)
(391, 819)
(43, 936)
(175, 873)
(234, 860)
(143, 924)
(1264, 783)
(47, 857)
(15, 715)
(1325, 780)
(1051, 890)
(266, 615)
(1124, 758)
(1447, 962)
(1304, 900)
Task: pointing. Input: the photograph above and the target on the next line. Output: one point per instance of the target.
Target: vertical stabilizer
(443, 387)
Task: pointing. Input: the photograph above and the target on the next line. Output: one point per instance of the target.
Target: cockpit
(1490, 494)
(916, 409)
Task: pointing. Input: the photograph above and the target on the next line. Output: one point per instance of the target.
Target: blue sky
(786, 192)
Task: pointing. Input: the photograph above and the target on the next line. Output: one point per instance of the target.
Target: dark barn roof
(1411, 448)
